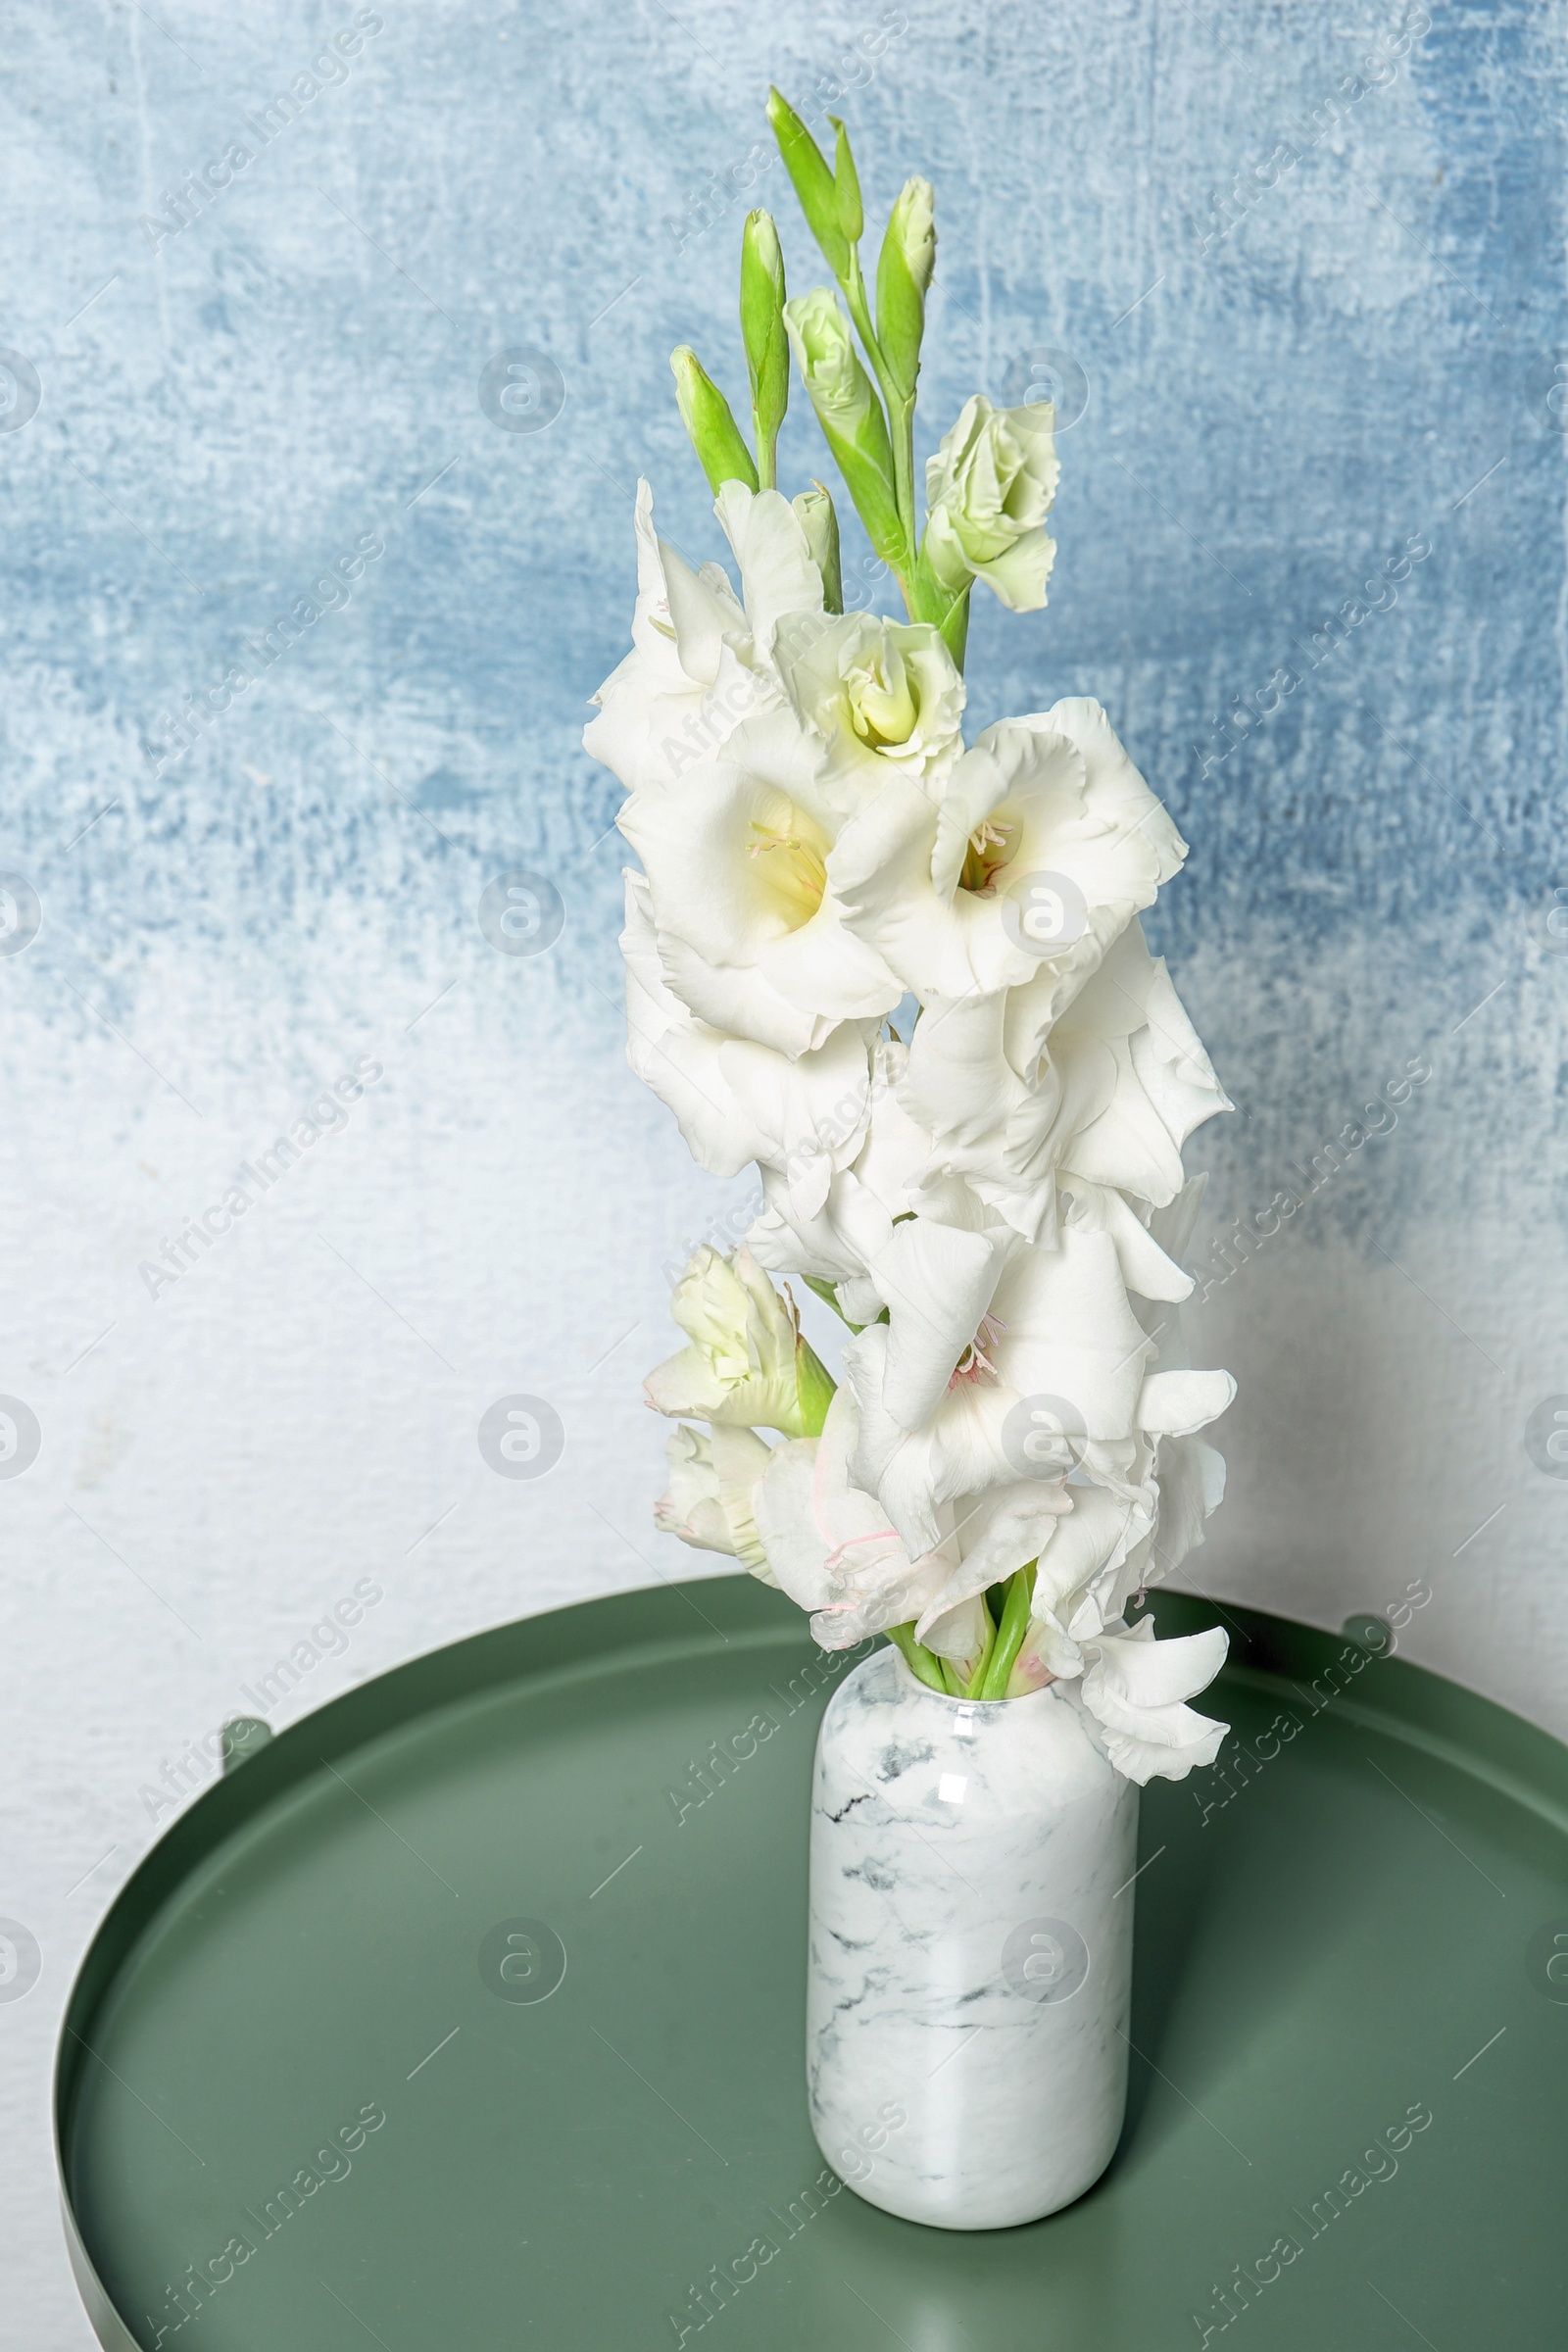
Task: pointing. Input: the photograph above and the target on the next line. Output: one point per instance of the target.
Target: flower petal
(1134, 1687)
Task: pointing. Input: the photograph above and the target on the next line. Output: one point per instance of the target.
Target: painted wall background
(1314, 305)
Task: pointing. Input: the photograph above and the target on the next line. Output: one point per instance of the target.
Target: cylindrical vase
(971, 1938)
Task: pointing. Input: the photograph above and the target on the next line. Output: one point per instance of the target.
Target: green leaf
(705, 413)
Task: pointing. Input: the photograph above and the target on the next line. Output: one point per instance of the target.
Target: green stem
(950, 1676)
(976, 1688)
(992, 1681)
(899, 409)
(916, 1656)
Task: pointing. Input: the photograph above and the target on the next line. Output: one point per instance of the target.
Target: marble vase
(970, 1959)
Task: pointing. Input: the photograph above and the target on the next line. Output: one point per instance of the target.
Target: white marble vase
(971, 1941)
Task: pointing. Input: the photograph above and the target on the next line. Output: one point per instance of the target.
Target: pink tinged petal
(786, 1522)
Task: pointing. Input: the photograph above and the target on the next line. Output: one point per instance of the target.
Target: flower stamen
(796, 868)
(988, 853)
(974, 1364)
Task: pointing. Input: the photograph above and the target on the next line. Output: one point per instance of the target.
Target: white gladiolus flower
(1164, 1085)
(702, 659)
(993, 1345)
(989, 489)
(750, 935)
(709, 1500)
(882, 698)
(1042, 846)
(747, 1365)
(832, 1549)
(980, 1324)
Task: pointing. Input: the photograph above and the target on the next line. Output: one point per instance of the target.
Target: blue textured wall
(1317, 333)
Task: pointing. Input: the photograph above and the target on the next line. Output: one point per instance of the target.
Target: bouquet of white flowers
(906, 977)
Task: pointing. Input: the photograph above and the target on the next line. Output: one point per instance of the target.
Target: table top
(469, 2012)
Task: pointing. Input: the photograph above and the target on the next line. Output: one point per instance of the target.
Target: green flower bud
(903, 275)
(767, 348)
(706, 413)
(815, 183)
(817, 520)
(847, 184)
(850, 414)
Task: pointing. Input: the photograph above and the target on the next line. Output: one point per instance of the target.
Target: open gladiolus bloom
(904, 975)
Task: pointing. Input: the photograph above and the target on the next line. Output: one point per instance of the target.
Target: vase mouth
(910, 1681)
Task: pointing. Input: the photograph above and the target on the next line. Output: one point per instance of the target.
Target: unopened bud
(903, 275)
(767, 348)
(815, 183)
(706, 413)
(850, 414)
(846, 185)
(818, 519)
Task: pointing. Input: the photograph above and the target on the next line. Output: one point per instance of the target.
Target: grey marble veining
(970, 1957)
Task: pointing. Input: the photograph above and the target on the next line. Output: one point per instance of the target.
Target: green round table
(467, 2016)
